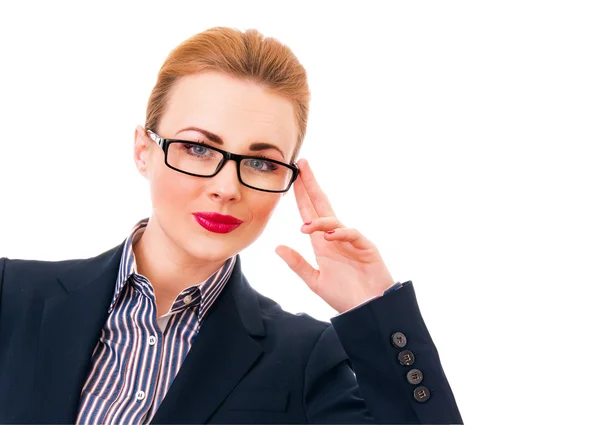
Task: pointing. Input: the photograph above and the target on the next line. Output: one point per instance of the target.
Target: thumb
(298, 264)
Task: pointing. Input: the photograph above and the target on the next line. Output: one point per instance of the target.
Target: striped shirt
(138, 355)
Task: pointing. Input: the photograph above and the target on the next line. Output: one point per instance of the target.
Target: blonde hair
(246, 55)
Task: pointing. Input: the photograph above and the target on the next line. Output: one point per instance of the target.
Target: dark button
(398, 339)
(406, 358)
(415, 376)
(421, 394)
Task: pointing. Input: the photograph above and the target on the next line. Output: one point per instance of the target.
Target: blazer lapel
(221, 355)
(71, 326)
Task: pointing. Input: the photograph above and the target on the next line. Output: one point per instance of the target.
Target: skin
(175, 252)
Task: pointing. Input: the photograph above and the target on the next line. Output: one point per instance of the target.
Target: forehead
(238, 111)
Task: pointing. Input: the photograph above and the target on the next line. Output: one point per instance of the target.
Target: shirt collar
(203, 294)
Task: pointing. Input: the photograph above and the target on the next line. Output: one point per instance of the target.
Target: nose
(225, 186)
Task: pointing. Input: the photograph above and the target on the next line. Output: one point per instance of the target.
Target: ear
(141, 152)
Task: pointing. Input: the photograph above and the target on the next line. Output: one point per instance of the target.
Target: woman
(164, 328)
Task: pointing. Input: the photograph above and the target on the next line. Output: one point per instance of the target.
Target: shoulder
(45, 277)
(273, 313)
(314, 341)
(32, 276)
(17, 267)
(297, 331)
(33, 267)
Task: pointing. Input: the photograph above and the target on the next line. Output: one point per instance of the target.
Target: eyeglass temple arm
(159, 140)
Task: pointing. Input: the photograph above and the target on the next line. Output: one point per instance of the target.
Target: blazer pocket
(272, 400)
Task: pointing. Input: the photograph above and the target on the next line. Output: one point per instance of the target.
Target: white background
(461, 137)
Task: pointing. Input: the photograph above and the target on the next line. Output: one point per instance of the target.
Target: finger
(353, 236)
(305, 206)
(322, 224)
(315, 193)
(298, 264)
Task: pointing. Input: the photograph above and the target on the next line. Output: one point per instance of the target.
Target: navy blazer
(252, 362)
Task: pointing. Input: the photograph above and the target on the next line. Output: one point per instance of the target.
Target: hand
(351, 270)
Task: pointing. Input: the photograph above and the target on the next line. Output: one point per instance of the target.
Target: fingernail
(331, 231)
(307, 223)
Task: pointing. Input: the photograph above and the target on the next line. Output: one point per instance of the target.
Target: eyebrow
(258, 146)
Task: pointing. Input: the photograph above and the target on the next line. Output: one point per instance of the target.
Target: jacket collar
(72, 322)
(101, 271)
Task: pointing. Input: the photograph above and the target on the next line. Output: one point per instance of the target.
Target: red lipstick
(216, 222)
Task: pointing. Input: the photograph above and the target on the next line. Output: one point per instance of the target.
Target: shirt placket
(186, 299)
(149, 364)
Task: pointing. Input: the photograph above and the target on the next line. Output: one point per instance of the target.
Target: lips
(217, 223)
(218, 218)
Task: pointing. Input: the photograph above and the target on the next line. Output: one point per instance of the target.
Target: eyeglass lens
(203, 161)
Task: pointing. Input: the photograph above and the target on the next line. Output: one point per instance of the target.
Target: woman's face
(241, 114)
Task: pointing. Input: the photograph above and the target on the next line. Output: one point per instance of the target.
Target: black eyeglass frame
(164, 145)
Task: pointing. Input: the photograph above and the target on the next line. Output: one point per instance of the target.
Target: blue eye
(197, 150)
(261, 165)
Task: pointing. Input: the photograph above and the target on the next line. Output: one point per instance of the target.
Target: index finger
(317, 197)
(305, 206)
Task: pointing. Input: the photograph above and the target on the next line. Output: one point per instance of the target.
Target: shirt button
(152, 340)
(187, 299)
(140, 395)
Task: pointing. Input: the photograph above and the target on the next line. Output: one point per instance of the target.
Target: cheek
(262, 207)
(171, 190)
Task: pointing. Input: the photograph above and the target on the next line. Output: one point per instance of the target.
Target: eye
(261, 165)
(197, 150)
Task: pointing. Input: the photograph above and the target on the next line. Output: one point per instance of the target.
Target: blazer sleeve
(354, 374)
(2, 263)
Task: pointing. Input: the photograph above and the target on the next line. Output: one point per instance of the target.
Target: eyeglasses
(201, 160)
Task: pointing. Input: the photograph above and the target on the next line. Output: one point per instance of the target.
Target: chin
(206, 249)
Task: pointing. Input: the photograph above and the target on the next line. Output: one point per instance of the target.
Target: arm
(2, 262)
(332, 394)
(351, 277)
(366, 335)
(380, 392)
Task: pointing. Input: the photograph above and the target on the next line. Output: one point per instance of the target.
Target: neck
(169, 268)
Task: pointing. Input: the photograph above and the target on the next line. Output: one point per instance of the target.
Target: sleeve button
(406, 358)
(398, 339)
(414, 376)
(421, 394)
